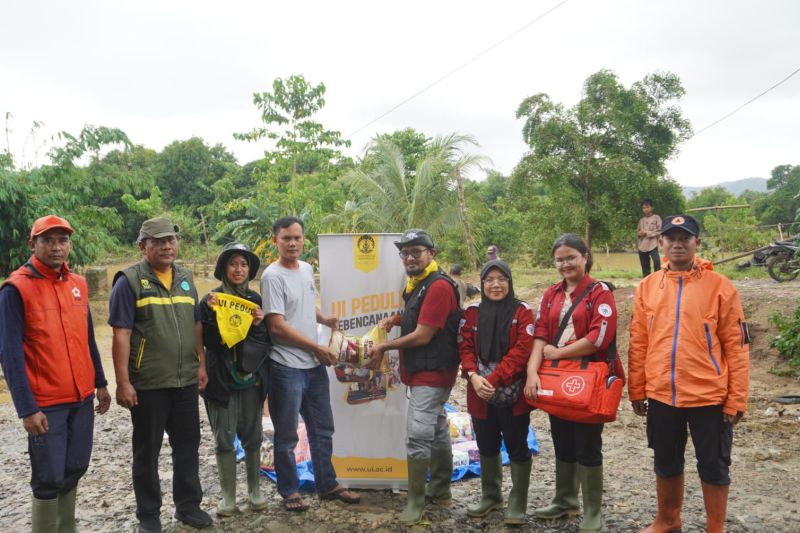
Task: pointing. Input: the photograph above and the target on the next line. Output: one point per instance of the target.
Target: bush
(787, 341)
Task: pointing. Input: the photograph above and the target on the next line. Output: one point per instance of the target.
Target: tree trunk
(462, 207)
(587, 231)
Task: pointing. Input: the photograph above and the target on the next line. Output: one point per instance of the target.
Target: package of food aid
(355, 351)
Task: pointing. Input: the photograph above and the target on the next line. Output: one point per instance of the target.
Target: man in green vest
(158, 362)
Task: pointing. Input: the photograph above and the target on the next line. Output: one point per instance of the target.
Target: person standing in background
(647, 232)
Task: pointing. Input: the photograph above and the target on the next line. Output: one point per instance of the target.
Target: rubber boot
(66, 512)
(670, 501)
(417, 474)
(438, 488)
(491, 487)
(44, 515)
(715, 498)
(252, 463)
(591, 479)
(518, 497)
(226, 470)
(565, 501)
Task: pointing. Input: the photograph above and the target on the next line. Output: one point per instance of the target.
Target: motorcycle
(782, 260)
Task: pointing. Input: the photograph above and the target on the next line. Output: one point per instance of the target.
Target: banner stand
(361, 282)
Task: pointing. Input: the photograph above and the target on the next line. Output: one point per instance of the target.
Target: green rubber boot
(591, 479)
(565, 501)
(518, 498)
(66, 512)
(417, 475)
(438, 488)
(252, 463)
(226, 470)
(44, 515)
(491, 487)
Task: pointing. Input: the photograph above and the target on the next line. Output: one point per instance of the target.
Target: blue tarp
(305, 471)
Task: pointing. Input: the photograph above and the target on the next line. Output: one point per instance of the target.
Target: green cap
(155, 228)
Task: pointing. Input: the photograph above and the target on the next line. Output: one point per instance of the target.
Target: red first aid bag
(579, 390)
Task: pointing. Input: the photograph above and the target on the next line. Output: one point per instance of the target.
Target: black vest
(442, 351)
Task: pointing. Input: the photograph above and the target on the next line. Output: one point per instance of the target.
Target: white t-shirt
(291, 293)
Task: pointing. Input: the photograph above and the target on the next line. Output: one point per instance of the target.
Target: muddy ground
(765, 494)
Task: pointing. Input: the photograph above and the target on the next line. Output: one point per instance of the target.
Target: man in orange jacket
(53, 370)
(688, 364)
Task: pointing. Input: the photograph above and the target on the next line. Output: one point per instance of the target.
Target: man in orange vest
(689, 367)
(52, 367)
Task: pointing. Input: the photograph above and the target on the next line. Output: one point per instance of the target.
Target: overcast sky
(167, 70)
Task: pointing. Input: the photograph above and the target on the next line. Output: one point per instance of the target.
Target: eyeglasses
(569, 260)
(416, 254)
(502, 280)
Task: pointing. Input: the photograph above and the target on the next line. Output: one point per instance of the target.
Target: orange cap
(49, 222)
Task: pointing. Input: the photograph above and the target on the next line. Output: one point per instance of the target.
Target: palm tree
(432, 199)
(452, 151)
(354, 217)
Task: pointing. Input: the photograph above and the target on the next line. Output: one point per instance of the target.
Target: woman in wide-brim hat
(234, 397)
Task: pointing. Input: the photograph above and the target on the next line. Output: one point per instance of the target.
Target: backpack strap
(568, 314)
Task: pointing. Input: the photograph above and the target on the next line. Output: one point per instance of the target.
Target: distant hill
(734, 187)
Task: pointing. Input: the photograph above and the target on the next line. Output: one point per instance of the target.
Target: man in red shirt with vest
(52, 366)
(428, 366)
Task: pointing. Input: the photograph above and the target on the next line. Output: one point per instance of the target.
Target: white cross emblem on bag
(573, 385)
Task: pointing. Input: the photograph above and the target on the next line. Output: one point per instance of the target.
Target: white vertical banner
(361, 282)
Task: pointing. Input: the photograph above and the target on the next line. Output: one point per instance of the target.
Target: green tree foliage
(287, 113)
(726, 230)
(186, 172)
(709, 197)
(126, 172)
(783, 202)
(598, 158)
(426, 199)
(787, 341)
(414, 146)
(64, 188)
(297, 177)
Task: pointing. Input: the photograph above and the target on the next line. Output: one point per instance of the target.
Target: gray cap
(415, 236)
(155, 228)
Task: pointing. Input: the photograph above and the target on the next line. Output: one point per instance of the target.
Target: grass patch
(738, 274)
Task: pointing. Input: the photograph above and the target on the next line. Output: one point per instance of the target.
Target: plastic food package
(460, 459)
(301, 451)
(355, 351)
(460, 426)
(470, 447)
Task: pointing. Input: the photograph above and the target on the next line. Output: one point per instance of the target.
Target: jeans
(501, 422)
(60, 457)
(303, 391)
(427, 427)
(644, 260)
(175, 410)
